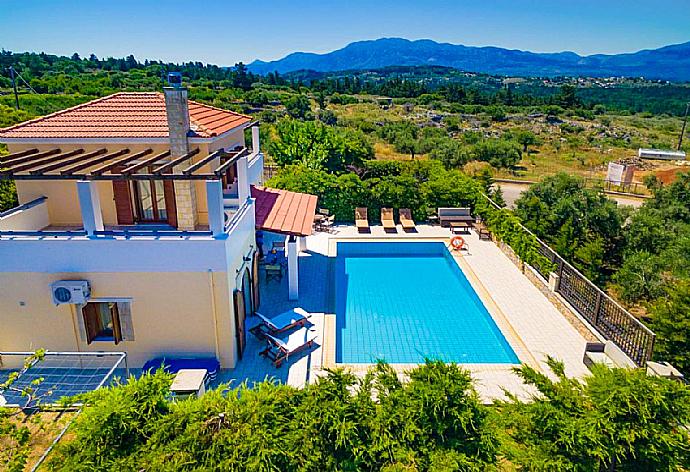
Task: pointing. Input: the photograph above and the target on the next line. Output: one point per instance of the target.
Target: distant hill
(667, 63)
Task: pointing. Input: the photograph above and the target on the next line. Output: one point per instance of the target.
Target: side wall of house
(172, 313)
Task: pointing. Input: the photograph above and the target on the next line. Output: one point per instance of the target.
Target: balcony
(31, 221)
(26, 245)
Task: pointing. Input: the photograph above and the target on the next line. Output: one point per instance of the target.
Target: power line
(13, 76)
(685, 120)
(14, 87)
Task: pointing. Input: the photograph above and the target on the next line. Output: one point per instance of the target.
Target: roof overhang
(124, 141)
(120, 164)
(284, 212)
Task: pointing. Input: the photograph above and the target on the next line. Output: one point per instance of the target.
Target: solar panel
(57, 375)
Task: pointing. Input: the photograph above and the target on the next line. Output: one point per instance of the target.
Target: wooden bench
(449, 215)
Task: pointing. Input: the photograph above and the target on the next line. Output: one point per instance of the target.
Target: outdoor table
(460, 227)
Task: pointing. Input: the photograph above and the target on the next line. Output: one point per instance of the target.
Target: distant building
(660, 154)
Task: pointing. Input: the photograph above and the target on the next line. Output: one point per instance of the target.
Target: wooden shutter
(115, 315)
(124, 310)
(170, 205)
(123, 200)
(81, 324)
(256, 296)
(238, 298)
(91, 323)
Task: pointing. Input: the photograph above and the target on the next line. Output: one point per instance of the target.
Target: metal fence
(609, 318)
(269, 171)
(636, 188)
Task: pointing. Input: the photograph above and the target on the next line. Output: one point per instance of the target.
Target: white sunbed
(283, 322)
(278, 349)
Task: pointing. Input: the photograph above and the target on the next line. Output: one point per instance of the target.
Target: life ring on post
(457, 242)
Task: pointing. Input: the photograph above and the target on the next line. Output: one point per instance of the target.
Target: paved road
(512, 191)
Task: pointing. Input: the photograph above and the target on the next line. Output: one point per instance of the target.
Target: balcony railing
(31, 216)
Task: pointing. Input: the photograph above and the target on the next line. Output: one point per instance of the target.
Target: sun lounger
(406, 220)
(362, 220)
(387, 219)
(279, 349)
(294, 318)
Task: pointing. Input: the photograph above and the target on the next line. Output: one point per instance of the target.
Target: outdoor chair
(274, 271)
(362, 219)
(295, 318)
(387, 219)
(323, 221)
(406, 220)
(278, 350)
(327, 223)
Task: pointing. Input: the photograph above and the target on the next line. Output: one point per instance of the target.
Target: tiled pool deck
(530, 322)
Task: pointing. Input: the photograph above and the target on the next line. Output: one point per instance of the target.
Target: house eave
(124, 141)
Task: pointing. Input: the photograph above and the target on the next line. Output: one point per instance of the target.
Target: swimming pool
(403, 302)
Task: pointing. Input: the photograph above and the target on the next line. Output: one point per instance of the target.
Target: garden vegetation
(433, 420)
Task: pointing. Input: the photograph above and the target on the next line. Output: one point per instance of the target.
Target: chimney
(177, 111)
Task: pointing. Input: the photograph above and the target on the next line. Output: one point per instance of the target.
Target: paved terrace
(530, 322)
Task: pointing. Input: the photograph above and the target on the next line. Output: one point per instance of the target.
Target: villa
(136, 232)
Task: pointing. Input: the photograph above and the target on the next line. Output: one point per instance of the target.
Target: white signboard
(615, 173)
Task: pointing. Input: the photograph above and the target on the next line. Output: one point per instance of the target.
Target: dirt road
(513, 190)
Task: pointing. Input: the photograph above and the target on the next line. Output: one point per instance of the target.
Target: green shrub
(338, 422)
(315, 145)
(614, 419)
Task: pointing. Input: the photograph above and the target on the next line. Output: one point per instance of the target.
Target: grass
(577, 146)
(44, 427)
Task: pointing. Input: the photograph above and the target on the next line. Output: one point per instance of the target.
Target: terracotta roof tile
(285, 212)
(124, 115)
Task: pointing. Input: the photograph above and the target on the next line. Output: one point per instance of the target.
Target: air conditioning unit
(70, 291)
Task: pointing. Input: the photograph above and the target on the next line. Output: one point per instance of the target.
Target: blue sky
(224, 32)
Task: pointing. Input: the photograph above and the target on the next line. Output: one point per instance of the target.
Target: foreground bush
(615, 419)
(434, 421)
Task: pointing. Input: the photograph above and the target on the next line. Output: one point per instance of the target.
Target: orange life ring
(457, 242)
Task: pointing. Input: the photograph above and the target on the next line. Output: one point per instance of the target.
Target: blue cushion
(174, 365)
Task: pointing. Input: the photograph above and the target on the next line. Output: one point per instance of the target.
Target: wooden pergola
(122, 164)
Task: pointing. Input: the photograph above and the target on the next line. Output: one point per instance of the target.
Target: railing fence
(606, 315)
(269, 171)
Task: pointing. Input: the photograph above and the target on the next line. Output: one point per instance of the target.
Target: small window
(102, 322)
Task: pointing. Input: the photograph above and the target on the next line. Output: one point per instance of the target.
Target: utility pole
(685, 121)
(16, 97)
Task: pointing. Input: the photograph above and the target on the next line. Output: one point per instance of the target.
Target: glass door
(150, 201)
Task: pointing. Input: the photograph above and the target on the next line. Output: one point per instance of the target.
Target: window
(107, 321)
(151, 204)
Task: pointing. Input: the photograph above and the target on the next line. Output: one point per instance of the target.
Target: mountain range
(666, 63)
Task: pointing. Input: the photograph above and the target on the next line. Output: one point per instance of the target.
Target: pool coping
(513, 339)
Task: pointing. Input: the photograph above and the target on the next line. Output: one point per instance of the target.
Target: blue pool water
(403, 302)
